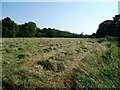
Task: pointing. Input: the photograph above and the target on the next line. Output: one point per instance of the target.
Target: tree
(27, 30)
(38, 33)
(9, 28)
(31, 29)
(109, 28)
(0, 28)
(104, 28)
(93, 35)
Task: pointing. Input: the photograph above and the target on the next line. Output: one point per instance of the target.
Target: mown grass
(37, 62)
(20, 61)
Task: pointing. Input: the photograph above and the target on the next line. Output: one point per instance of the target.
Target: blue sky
(75, 17)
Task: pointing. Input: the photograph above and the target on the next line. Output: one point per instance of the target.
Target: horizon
(75, 17)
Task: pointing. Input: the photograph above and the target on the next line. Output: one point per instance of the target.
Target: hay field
(60, 63)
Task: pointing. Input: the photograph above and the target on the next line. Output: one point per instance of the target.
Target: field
(60, 63)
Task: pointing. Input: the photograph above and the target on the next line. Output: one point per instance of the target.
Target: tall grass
(100, 70)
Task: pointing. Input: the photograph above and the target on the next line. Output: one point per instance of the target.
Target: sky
(75, 17)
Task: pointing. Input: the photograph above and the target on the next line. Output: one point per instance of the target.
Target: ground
(60, 63)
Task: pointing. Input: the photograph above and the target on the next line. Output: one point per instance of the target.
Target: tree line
(30, 29)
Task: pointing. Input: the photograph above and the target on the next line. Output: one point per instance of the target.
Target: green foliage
(109, 28)
(30, 29)
(0, 28)
(27, 30)
(9, 28)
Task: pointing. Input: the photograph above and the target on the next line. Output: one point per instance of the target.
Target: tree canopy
(9, 28)
(109, 28)
(30, 29)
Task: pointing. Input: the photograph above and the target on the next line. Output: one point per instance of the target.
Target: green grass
(41, 62)
(99, 70)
